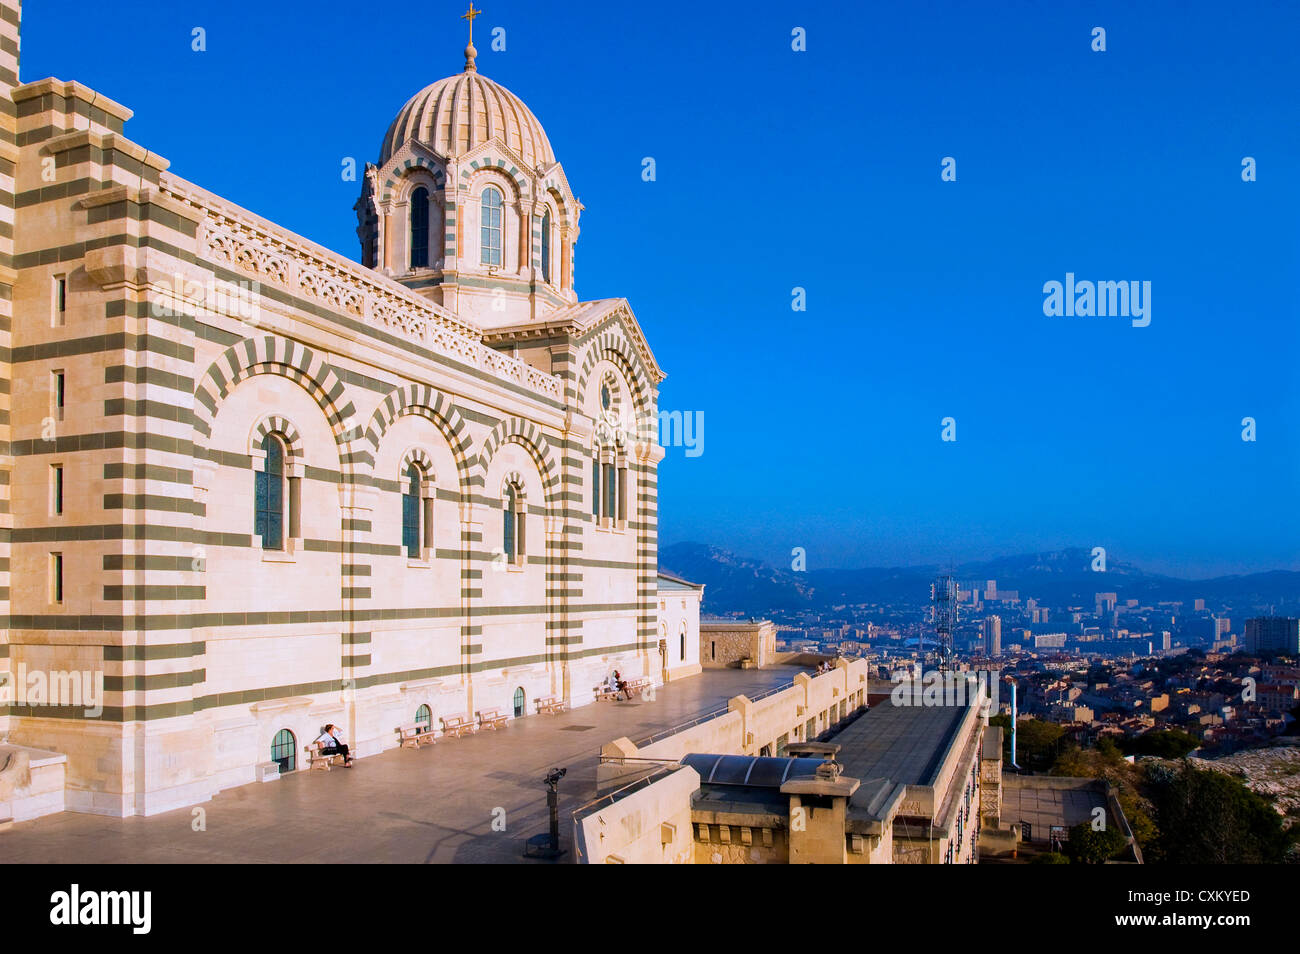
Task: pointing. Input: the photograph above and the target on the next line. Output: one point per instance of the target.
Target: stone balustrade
(239, 241)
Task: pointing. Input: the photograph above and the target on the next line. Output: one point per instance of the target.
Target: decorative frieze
(281, 259)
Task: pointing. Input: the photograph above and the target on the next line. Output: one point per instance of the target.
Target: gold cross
(469, 15)
(469, 50)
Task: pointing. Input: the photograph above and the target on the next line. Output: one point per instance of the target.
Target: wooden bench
(491, 718)
(549, 704)
(316, 759)
(458, 726)
(637, 686)
(415, 735)
(603, 692)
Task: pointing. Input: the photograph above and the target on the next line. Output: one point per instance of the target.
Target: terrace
(432, 805)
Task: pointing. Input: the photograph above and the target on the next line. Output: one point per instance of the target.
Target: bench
(549, 704)
(458, 726)
(637, 686)
(603, 692)
(316, 759)
(415, 735)
(491, 718)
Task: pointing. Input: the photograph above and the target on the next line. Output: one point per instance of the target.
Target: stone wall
(679, 631)
(651, 825)
(10, 19)
(728, 643)
(190, 330)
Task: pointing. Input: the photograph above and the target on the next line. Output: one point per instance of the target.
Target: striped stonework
(432, 405)
(528, 436)
(10, 18)
(404, 166)
(121, 277)
(274, 424)
(420, 458)
(504, 165)
(279, 356)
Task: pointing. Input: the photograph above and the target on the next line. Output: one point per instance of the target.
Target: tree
(1090, 846)
(1207, 817)
(1165, 743)
(1037, 743)
(1108, 751)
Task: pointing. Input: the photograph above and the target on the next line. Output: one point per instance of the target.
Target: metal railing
(698, 720)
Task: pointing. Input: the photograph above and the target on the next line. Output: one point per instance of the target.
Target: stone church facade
(259, 487)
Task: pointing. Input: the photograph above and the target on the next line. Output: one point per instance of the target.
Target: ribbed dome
(460, 112)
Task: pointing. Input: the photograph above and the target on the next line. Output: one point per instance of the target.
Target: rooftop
(904, 744)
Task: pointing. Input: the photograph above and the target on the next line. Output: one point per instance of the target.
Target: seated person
(331, 743)
(621, 685)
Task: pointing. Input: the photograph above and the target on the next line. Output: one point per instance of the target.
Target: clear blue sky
(822, 169)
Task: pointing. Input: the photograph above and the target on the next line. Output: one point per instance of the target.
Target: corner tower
(468, 206)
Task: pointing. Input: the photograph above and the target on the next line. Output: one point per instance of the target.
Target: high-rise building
(1279, 633)
(993, 636)
(991, 590)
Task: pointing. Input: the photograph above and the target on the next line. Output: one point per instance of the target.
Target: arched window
(268, 521)
(284, 751)
(490, 227)
(411, 507)
(683, 653)
(611, 491)
(420, 228)
(424, 719)
(595, 485)
(546, 245)
(513, 526)
(519, 702)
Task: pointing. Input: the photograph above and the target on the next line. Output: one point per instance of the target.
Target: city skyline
(1122, 165)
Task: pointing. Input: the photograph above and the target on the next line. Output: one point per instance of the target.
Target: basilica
(260, 487)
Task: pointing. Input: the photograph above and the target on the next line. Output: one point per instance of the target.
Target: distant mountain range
(1057, 578)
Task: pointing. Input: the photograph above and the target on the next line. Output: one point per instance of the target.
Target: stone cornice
(105, 141)
(145, 196)
(71, 90)
(577, 322)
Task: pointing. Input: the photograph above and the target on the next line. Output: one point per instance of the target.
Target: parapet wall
(649, 826)
(798, 713)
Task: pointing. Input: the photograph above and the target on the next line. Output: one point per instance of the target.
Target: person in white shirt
(331, 743)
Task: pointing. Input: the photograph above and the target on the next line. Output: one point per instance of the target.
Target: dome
(461, 112)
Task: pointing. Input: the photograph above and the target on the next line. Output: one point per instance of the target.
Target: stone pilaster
(10, 20)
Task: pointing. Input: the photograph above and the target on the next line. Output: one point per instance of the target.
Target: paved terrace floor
(431, 805)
